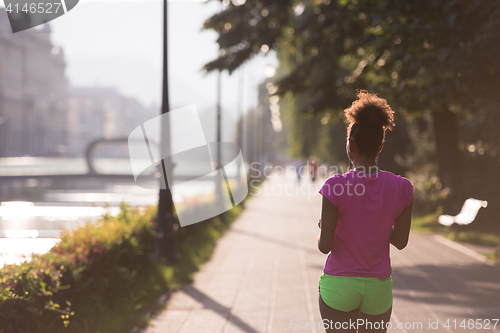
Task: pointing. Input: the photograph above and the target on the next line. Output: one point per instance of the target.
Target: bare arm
(401, 230)
(329, 215)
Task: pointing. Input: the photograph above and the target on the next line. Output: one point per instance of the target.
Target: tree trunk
(448, 155)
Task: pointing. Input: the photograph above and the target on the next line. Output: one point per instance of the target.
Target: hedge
(102, 277)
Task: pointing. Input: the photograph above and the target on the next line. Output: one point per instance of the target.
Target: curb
(465, 250)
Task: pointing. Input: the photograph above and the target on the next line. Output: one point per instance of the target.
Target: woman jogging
(364, 211)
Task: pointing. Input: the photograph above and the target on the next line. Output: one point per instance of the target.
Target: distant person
(364, 211)
(298, 170)
(314, 170)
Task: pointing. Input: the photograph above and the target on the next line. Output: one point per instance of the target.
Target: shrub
(91, 265)
(102, 277)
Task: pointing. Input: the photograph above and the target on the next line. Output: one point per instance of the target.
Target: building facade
(102, 113)
(33, 117)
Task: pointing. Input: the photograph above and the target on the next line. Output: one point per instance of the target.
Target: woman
(364, 211)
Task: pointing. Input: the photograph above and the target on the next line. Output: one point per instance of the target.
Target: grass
(429, 224)
(474, 237)
(196, 244)
(102, 277)
(492, 257)
(134, 308)
(137, 307)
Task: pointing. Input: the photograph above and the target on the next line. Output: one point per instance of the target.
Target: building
(102, 112)
(40, 115)
(33, 117)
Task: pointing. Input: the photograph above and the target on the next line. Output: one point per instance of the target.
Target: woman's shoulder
(337, 177)
(396, 178)
(403, 187)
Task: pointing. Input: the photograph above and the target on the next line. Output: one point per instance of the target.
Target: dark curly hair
(369, 117)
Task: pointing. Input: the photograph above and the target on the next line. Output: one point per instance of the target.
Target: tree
(430, 56)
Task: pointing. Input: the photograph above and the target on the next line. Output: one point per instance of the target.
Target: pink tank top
(368, 204)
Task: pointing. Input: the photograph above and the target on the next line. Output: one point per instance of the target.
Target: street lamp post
(219, 124)
(218, 189)
(240, 123)
(165, 247)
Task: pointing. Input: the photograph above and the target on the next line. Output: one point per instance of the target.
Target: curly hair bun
(370, 109)
(369, 117)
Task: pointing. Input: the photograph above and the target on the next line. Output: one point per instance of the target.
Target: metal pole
(219, 78)
(255, 124)
(165, 247)
(218, 188)
(263, 125)
(219, 119)
(240, 123)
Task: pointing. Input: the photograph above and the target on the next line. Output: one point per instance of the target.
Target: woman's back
(361, 215)
(368, 205)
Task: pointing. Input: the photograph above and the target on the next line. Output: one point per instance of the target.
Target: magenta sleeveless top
(368, 204)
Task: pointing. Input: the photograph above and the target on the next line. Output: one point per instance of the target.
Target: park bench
(467, 214)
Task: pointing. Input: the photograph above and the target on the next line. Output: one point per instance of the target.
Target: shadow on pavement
(293, 246)
(223, 311)
(474, 286)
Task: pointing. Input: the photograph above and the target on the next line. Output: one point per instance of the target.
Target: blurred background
(73, 89)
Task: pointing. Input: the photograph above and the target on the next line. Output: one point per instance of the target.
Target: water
(28, 227)
(17, 250)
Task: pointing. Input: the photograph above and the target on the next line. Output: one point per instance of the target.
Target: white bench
(467, 214)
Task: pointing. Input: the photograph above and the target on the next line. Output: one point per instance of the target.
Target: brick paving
(263, 276)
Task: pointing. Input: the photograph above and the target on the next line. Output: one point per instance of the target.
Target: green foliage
(102, 277)
(90, 267)
(466, 234)
(435, 61)
(424, 54)
(474, 237)
(427, 223)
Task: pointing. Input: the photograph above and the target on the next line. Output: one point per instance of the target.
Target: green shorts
(372, 296)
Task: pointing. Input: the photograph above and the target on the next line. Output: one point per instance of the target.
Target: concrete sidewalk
(263, 276)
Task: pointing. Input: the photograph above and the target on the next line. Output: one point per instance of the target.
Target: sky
(117, 43)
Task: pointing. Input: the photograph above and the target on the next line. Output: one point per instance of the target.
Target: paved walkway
(263, 276)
